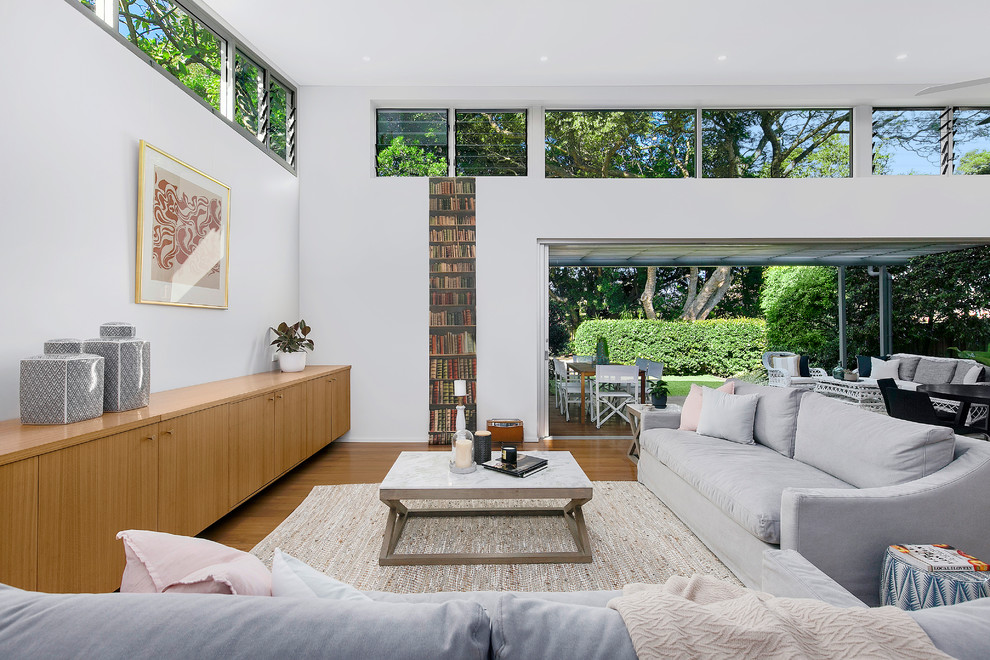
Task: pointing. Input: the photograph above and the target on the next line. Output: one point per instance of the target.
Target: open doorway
(598, 290)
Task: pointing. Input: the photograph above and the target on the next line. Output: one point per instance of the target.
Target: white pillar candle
(464, 453)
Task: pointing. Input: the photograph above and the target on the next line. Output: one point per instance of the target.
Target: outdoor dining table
(586, 369)
(966, 395)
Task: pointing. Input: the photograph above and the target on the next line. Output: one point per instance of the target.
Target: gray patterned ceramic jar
(127, 384)
(61, 388)
(118, 330)
(63, 346)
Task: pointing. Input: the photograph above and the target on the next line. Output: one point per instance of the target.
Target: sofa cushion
(525, 627)
(865, 448)
(744, 481)
(776, 415)
(294, 578)
(691, 408)
(961, 630)
(160, 562)
(934, 372)
(908, 365)
(728, 416)
(111, 626)
(884, 368)
(864, 364)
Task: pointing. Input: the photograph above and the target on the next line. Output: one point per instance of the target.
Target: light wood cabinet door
(19, 524)
(317, 415)
(251, 443)
(193, 479)
(291, 441)
(88, 493)
(340, 404)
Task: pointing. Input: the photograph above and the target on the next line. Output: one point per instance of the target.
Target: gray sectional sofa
(833, 482)
(481, 625)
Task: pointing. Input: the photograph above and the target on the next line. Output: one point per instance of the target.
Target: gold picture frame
(183, 233)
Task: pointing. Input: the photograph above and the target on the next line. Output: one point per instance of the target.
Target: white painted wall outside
(364, 264)
(75, 106)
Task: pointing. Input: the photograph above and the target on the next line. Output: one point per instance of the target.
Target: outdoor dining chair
(568, 388)
(615, 400)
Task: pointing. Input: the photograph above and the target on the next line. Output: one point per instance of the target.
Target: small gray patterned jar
(61, 389)
(63, 346)
(127, 384)
(118, 330)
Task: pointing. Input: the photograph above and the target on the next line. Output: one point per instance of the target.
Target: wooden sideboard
(177, 465)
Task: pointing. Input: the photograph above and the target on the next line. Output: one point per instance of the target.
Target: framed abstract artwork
(183, 233)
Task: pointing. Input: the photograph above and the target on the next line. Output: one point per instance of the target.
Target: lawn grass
(681, 385)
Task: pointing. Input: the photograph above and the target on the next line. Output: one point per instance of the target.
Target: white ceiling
(616, 42)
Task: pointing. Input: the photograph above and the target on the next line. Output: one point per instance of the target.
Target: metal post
(886, 315)
(842, 316)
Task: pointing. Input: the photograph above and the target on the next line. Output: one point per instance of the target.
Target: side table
(669, 417)
(910, 588)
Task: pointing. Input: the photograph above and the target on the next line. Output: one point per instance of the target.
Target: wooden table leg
(634, 426)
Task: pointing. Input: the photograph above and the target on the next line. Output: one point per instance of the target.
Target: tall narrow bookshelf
(453, 322)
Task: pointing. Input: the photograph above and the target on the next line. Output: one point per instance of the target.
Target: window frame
(104, 13)
(452, 170)
(394, 108)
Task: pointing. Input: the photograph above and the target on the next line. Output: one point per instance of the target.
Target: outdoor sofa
(480, 625)
(836, 483)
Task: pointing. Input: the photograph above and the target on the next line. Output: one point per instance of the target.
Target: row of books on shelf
(465, 251)
(448, 282)
(451, 298)
(455, 267)
(442, 393)
(449, 235)
(451, 220)
(458, 368)
(452, 204)
(937, 558)
(452, 343)
(451, 187)
(463, 317)
(446, 420)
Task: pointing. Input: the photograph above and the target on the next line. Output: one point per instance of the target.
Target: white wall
(75, 104)
(364, 265)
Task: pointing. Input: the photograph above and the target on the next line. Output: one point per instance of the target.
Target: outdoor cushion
(804, 369)
(909, 364)
(789, 364)
(867, 449)
(934, 372)
(973, 376)
(728, 416)
(744, 481)
(963, 367)
(881, 369)
(776, 415)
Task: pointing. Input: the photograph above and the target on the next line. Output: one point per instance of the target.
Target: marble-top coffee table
(424, 475)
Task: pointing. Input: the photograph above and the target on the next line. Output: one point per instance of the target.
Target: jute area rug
(634, 537)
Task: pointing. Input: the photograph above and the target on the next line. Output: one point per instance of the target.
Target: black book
(525, 465)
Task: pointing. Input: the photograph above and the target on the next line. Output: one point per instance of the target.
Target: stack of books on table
(938, 558)
(524, 466)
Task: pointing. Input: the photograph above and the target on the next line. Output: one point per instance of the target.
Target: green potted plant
(658, 392)
(290, 344)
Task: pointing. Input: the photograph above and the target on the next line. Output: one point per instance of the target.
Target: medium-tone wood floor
(368, 462)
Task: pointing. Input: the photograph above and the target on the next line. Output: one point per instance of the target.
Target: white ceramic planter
(292, 361)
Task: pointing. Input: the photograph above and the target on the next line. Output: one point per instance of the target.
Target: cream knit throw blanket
(700, 617)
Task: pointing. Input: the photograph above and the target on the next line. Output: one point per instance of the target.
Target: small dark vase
(659, 401)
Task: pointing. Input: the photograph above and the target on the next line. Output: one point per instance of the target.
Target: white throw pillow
(728, 416)
(297, 579)
(884, 368)
(973, 375)
(789, 364)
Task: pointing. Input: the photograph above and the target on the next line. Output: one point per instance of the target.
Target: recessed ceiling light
(902, 56)
(544, 58)
(366, 58)
(722, 58)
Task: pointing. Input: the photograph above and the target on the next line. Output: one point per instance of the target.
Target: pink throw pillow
(691, 410)
(160, 562)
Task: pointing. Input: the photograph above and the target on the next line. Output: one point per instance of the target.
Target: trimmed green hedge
(720, 347)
